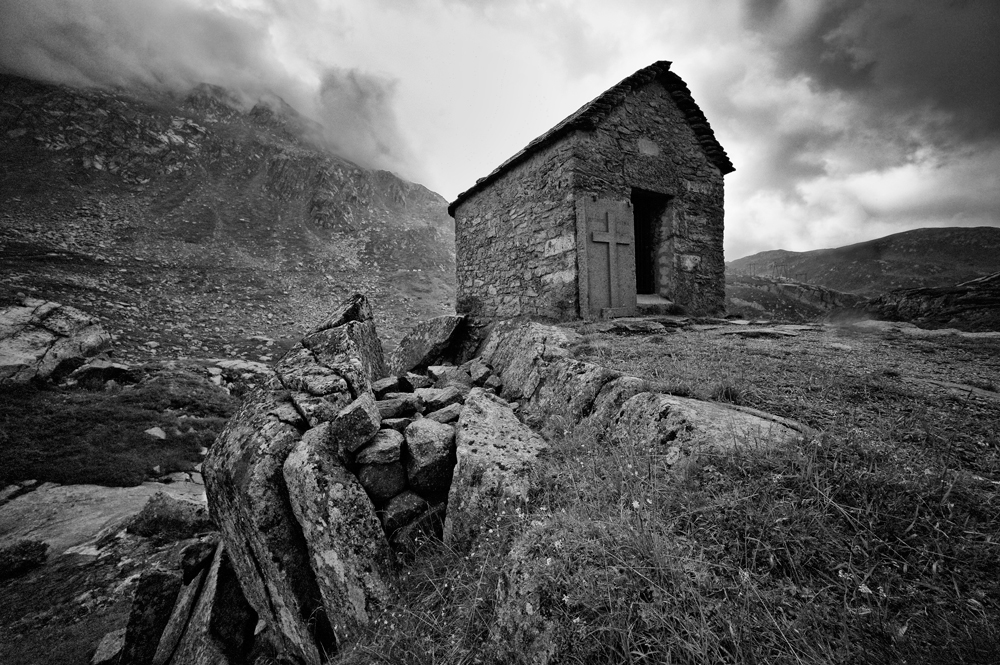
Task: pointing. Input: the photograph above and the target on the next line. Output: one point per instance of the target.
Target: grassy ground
(76, 435)
(874, 543)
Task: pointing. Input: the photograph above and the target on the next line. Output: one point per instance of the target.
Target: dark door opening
(648, 209)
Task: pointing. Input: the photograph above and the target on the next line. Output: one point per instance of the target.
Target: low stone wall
(331, 475)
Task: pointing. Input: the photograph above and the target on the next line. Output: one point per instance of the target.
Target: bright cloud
(846, 120)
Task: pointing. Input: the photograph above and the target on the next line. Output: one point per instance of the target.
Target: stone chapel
(618, 205)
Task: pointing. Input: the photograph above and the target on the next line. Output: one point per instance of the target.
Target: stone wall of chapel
(515, 241)
(646, 142)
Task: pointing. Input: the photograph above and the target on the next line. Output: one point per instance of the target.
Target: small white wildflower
(864, 589)
(565, 599)
(635, 505)
(548, 561)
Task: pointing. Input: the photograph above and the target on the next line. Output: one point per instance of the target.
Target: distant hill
(203, 225)
(912, 259)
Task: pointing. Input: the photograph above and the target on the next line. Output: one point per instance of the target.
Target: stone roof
(590, 115)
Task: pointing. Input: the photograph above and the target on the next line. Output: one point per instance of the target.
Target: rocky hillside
(912, 259)
(972, 305)
(196, 225)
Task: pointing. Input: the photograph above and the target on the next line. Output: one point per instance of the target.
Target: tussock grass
(875, 543)
(74, 436)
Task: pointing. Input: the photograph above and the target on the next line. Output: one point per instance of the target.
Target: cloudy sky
(846, 119)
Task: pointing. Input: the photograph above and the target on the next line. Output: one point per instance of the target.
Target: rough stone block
(401, 510)
(448, 414)
(348, 553)
(398, 424)
(425, 344)
(356, 424)
(568, 389)
(430, 458)
(438, 398)
(405, 405)
(496, 456)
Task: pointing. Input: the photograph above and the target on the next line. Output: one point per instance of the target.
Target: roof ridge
(591, 114)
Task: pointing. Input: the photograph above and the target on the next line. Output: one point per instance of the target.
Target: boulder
(418, 380)
(448, 414)
(356, 424)
(406, 404)
(390, 384)
(479, 371)
(42, 340)
(568, 389)
(355, 320)
(401, 510)
(430, 458)
(438, 398)
(380, 467)
(609, 401)
(519, 352)
(347, 548)
(247, 495)
(167, 519)
(427, 343)
(496, 455)
(152, 605)
(398, 424)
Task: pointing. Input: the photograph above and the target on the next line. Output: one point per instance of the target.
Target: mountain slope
(203, 225)
(912, 259)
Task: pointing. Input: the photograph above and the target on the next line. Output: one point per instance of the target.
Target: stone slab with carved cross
(606, 246)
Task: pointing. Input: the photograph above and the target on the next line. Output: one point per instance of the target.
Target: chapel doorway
(649, 210)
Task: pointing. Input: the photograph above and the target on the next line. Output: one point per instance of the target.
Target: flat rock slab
(759, 332)
(680, 429)
(73, 516)
(41, 339)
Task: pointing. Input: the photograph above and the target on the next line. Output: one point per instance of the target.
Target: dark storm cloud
(176, 44)
(936, 57)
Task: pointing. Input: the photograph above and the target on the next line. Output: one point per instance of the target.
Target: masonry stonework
(519, 232)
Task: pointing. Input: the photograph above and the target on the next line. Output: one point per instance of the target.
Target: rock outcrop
(41, 340)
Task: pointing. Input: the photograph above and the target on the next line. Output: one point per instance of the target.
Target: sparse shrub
(22, 556)
(727, 392)
(72, 436)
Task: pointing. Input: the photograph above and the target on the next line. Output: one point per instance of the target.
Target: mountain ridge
(201, 218)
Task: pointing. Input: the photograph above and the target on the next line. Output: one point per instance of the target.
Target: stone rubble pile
(333, 471)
